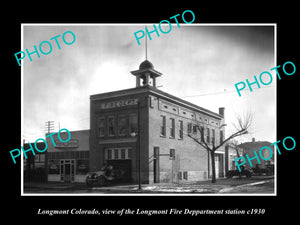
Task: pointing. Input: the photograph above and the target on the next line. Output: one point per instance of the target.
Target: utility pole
(49, 127)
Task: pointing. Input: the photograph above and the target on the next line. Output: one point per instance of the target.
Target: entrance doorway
(67, 170)
(122, 169)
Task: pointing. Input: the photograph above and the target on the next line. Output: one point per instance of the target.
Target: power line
(217, 93)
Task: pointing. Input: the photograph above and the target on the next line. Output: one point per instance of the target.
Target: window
(221, 136)
(133, 123)
(185, 175)
(82, 166)
(122, 128)
(123, 153)
(109, 154)
(213, 136)
(151, 102)
(116, 153)
(172, 128)
(202, 133)
(172, 153)
(163, 126)
(179, 175)
(195, 129)
(189, 128)
(101, 126)
(208, 136)
(129, 153)
(180, 129)
(111, 126)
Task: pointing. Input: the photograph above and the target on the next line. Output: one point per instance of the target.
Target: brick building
(255, 146)
(146, 128)
(68, 161)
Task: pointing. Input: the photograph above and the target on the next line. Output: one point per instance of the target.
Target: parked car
(105, 175)
(261, 171)
(243, 172)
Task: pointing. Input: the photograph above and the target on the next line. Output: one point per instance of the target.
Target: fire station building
(143, 131)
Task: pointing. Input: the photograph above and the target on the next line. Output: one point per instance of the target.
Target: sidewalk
(221, 186)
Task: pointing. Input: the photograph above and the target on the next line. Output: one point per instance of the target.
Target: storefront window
(82, 166)
(53, 166)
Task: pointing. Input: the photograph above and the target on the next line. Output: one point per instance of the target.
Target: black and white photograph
(143, 113)
(149, 112)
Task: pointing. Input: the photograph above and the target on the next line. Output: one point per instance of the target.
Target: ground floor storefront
(68, 166)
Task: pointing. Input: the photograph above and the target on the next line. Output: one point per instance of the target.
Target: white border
(143, 24)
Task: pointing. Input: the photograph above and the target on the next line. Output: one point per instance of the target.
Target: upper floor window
(221, 136)
(172, 128)
(213, 136)
(202, 133)
(194, 128)
(122, 125)
(208, 136)
(111, 125)
(189, 128)
(180, 129)
(101, 126)
(133, 123)
(163, 126)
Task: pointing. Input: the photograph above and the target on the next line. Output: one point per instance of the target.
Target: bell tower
(147, 74)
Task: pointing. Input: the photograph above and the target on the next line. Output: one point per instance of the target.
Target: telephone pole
(49, 127)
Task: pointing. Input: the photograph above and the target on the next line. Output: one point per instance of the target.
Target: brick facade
(191, 162)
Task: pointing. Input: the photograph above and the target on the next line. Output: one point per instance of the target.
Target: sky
(200, 63)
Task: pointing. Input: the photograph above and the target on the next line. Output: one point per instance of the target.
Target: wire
(217, 93)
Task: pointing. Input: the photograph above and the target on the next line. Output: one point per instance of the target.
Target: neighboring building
(232, 152)
(155, 124)
(34, 165)
(68, 161)
(250, 147)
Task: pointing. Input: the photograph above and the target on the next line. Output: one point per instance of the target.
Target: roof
(255, 145)
(146, 65)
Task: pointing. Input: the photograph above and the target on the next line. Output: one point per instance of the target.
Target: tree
(235, 144)
(241, 128)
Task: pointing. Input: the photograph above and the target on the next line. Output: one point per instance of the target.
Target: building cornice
(156, 92)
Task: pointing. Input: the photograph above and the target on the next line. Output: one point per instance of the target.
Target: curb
(246, 185)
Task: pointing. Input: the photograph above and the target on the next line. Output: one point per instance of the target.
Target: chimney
(221, 111)
(253, 140)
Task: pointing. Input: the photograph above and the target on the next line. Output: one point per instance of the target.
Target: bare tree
(235, 144)
(242, 125)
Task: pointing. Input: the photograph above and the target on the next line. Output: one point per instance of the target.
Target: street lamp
(138, 146)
